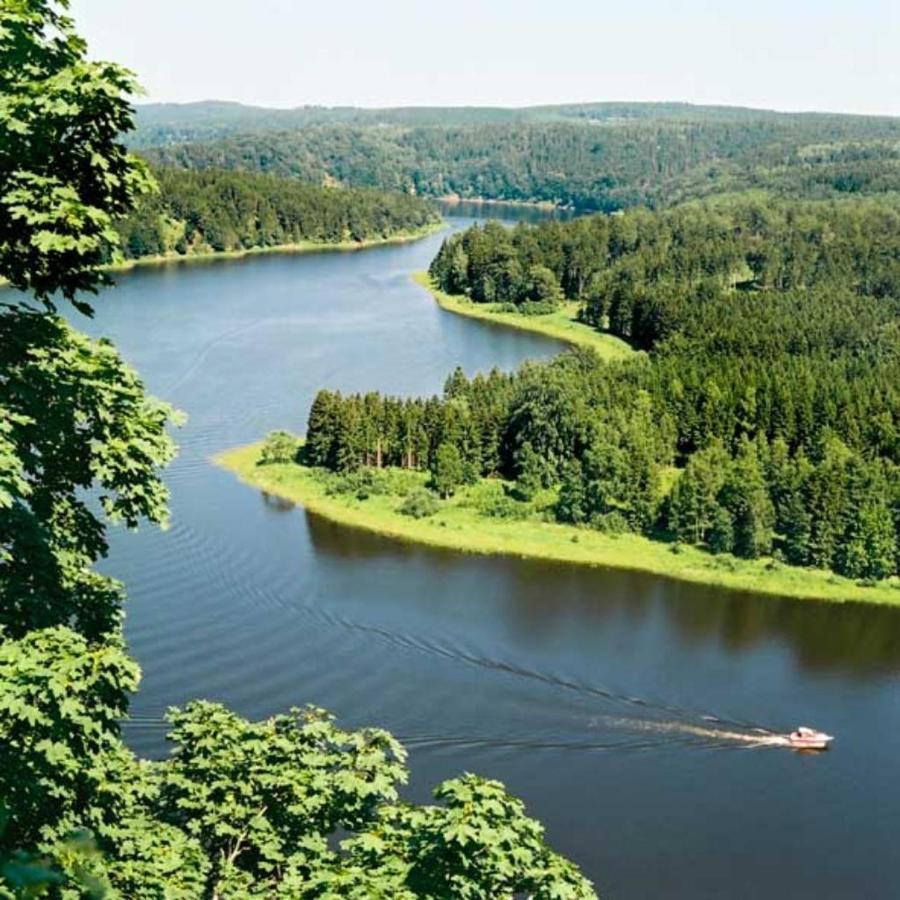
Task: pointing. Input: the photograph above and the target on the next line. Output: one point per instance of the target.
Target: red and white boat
(805, 738)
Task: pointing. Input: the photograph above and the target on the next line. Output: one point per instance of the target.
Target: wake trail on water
(662, 723)
(683, 720)
(757, 737)
(659, 723)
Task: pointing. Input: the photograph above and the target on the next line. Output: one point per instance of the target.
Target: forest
(602, 164)
(214, 211)
(761, 420)
(174, 123)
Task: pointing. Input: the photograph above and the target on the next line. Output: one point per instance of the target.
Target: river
(593, 695)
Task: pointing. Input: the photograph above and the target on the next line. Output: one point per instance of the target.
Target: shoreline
(461, 528)
(560, 325)
(402, 237)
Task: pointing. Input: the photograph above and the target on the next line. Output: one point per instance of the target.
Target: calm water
(587, 692)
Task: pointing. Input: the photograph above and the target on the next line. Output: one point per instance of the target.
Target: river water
(603, 699)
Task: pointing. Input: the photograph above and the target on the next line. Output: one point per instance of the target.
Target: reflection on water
(846, 637)
(276, 503)
(507, 212)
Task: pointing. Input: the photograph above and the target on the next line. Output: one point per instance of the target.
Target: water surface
(592, 694)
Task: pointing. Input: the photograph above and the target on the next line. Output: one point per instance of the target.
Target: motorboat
(805, 738)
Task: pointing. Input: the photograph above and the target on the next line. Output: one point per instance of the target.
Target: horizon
(811, 57)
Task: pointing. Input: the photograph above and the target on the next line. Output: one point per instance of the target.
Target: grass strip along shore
(402, 237)
(460, 523)
(561, 325)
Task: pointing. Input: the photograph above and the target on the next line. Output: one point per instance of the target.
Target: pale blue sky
(791, 55)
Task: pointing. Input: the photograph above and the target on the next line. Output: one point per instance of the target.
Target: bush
(363, 483)
(420, 504)
(611, 523)
(279, 447)
(537, 307)
(503, 506)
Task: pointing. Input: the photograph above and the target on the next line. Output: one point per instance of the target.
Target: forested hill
(765, 419)
(168, 123)
(591, 165)
(213, 211)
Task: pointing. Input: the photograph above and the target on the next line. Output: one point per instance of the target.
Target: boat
(805, 738)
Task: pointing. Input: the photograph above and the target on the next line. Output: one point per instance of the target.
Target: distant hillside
(167, 123)
(589, 163)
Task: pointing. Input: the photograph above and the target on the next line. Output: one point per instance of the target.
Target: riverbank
(401, 237)
(561, 325)
(460, 525)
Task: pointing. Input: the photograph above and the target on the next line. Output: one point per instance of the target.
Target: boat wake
(723, 735)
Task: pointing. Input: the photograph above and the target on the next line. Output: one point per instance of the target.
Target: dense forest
(763, 420)
(220, 211)
(605, 164)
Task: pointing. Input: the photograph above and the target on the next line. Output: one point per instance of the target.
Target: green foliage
(648, 277)
(60, 703)
(420, 504)
(368, 482)
(64, 175)
(500, 501)
(571, 505)
(591, 156)
(763, 419)
(480, 845)
(201, 212)
(24, 876)
(533, 473)
(259, 797)
(447, 471)
(279, 447)
(73, 416)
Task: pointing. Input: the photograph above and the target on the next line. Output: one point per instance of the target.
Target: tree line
(645, 276)
(159, 124)
(593, 164)
(220, 211)
(763, 418)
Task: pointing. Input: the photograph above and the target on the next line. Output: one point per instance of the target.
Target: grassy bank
(561, 324)
(461, 524)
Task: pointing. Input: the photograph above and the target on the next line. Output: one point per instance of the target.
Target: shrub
(504, 507)
(420, 504)
(611, 523)
(279, 447)
(363, 483)
(537, 307)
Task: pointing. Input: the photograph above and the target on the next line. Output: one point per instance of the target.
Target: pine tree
(321, 430)
(869, 548)
(747, 499)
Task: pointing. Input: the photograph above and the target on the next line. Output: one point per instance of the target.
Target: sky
(829, 55)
